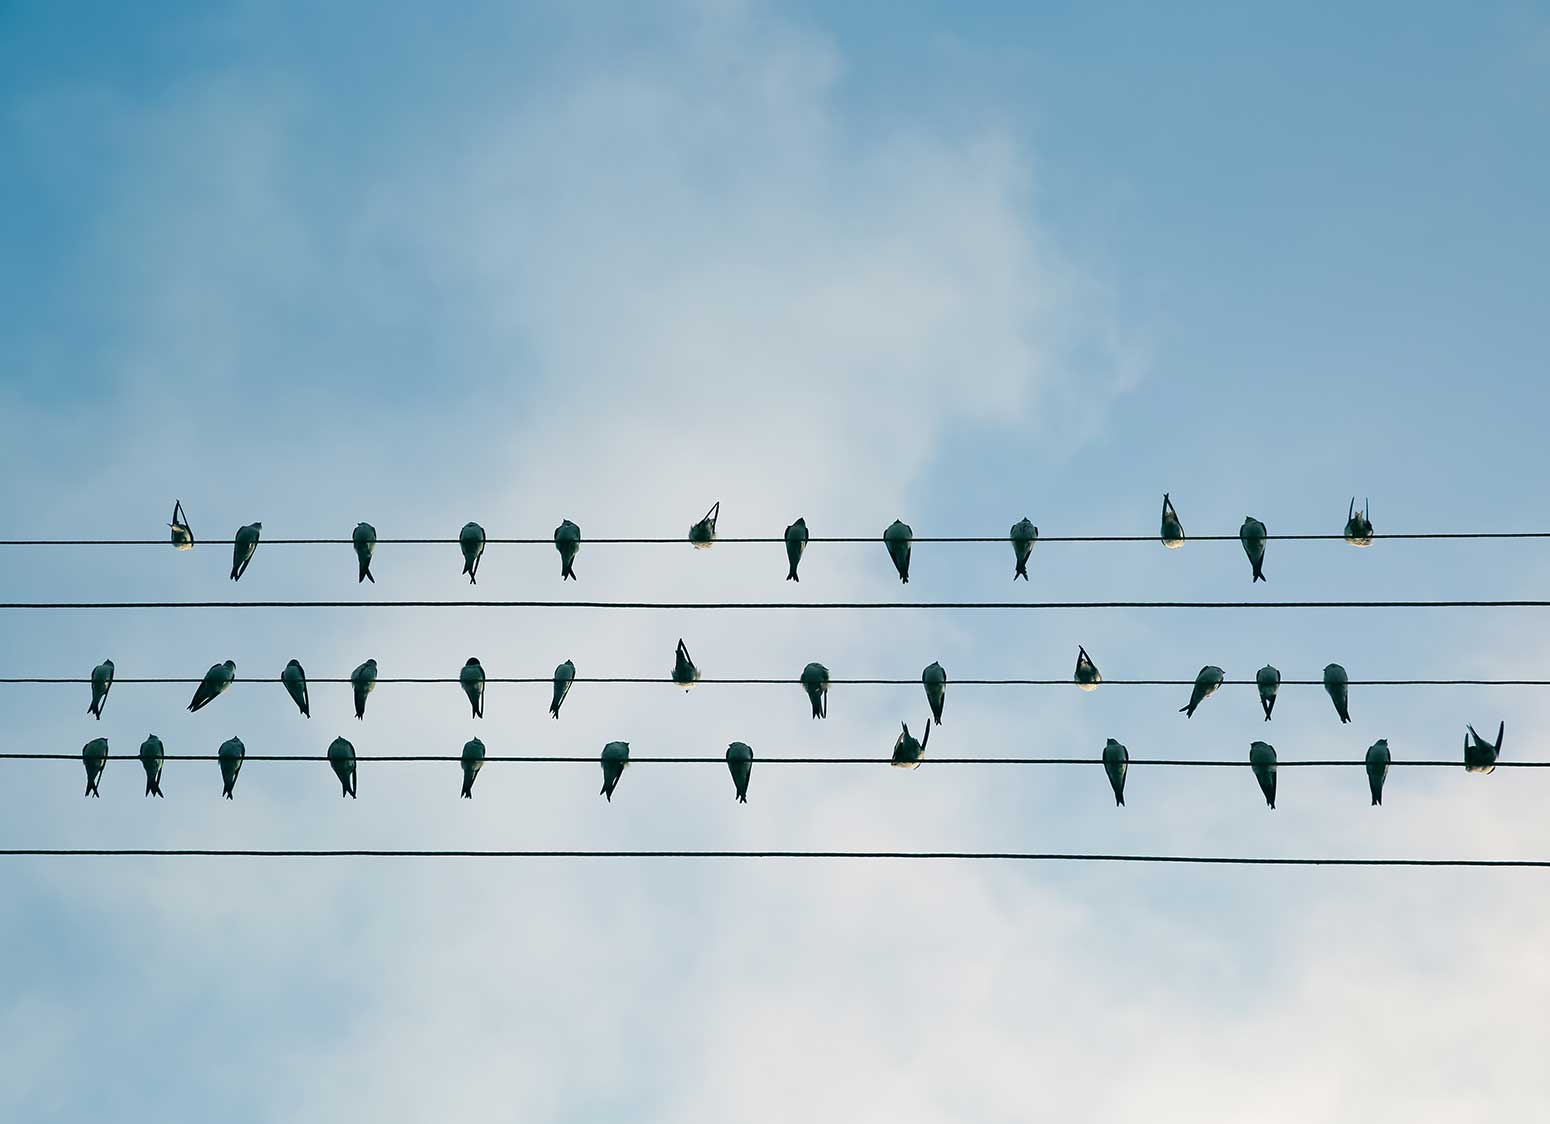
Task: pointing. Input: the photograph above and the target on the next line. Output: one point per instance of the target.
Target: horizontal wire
(875, 539)
(915, 682)
(746, 605)
(1456, 763)
(980, 856)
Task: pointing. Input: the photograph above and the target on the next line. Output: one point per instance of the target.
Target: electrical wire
(1455, 763)
(763, 605)
(915, 682)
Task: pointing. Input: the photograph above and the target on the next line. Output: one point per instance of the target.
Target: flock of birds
(898, 538)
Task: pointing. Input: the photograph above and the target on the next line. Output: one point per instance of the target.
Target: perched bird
(1480, 755)
(1262, 758)
(230, 755)
(1377, 768)
(934, 679)
(685, 674)
(897, 538)
(471, 540)
(1337, 684)
(472, 679)
(182, 534)
(1116, 763)
(740, 761)
(473, 761)
(151, 756)
(564, 676)
(1172, 529)
(1358, 524)
(703, 533)
(295, 680)
(907, 752)
(567, 540)
(365, 539)
(216, 680)
(1024, 534)
(94, 754)
(1206, 683)
(1268, 679)
(616, 755)
(341, 758)
(1252, 536)
(796, 543)
(815, 681)
(1087, 676)
(364, 680)
(101, 682)
(242, 548)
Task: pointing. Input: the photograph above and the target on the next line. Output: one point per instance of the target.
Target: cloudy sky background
(614, 265)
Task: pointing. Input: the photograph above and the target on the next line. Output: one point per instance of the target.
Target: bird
(1262, 758)
(815, 681)
(1377, 768)
(1023, 535)
(934, 679)
(1172, 529)
(1268, 680)
(685, 674)
(897, 538)
(1337, 684)
(230, 755)
(182, 534)
(1252, 536)
(151, 756)
(1087, 676)
(1116, 763)
(1358, 524)
(616, 755)
(564, 676)
(295, 680)
(365, 539)
(242, 548)
(703, 533)
(907, 752)
(1206, 683)
(473, 761)
(567, 540)
(471, 540)
(341, 758)
(94, 754)
(216, 680)
(101, 683)
(740, 761)
(472, 679)
(1480, 755)
(364, 680)
(796, 543)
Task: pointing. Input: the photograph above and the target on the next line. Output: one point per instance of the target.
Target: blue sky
(849, 262)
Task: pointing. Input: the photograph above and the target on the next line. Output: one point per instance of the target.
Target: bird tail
(742, 798)
(1022, 571)
(1259, 574)
(567, 569)
(1119, 799)
(792, 576)
(1188, 711)
(468, 787)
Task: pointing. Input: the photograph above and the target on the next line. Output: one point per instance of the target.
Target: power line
(963, 856)
(1453, 763)
(772, 682)
(782, 605)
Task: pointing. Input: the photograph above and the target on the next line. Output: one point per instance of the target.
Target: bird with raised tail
(1023, 535)
(703, 533)
(182, 534)
(1172, 530)
(94, 755)
(1337, 683)
(151, 758)
(1086, 676)
(1480, 755)
(1378, 759)
(364, 539)
(471, 541)
(213, 685)
(101, 684)
(616, 755)
(567, 540)
(1116, 763)
(740, 762)
(472, 680)
(934, 679)
(815, 681)
(242, 548)
(897, 538)
(295, 680)
(1262, 759)
(685, 674)
(341, 759)
(564, 676)
(1268, 680)
(1206, 683)
(1253, 535)
(230, 756)
(796, 544)
(907, 752)
(473, 761)
(1358, 524)
(363, 680)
